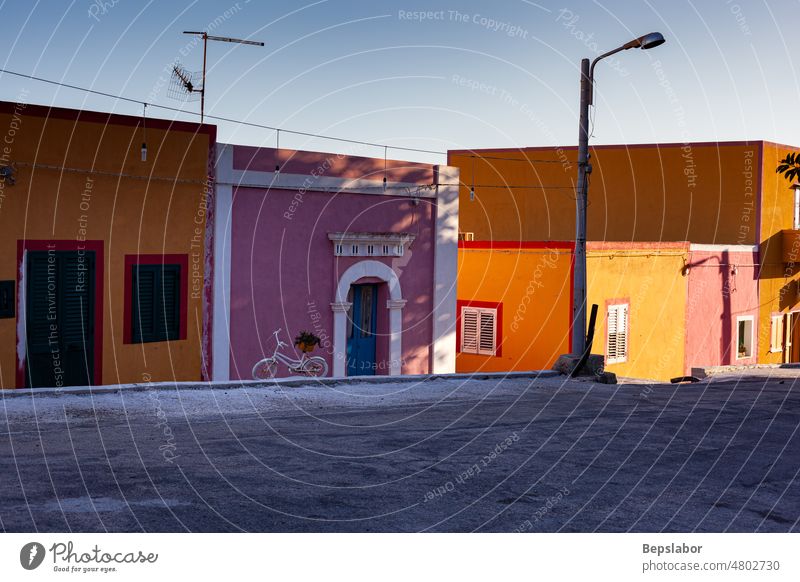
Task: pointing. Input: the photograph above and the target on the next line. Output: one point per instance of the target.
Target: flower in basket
(306, 341)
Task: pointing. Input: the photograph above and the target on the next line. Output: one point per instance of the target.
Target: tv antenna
(186, 82)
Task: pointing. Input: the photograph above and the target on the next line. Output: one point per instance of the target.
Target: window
(617, 329)
(797, 208)
(744, 337)
(155, 302)
(479, 330)
(776, 334)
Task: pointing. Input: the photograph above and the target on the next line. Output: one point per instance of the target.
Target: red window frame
(460, 303)
(172, 259)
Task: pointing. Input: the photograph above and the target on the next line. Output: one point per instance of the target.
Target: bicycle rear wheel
(316, 366)
(265, 369)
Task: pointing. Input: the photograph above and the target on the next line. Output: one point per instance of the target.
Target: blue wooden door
(361, 336)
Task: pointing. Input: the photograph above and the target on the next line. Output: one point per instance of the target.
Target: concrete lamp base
(566, 364)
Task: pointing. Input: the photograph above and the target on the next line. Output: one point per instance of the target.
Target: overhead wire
(269, 127)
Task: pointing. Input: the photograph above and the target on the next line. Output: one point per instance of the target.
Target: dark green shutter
(156, 303)
(39, 302)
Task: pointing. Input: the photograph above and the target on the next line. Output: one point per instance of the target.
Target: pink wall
(284, 273)
(718, 294)
(332, 165)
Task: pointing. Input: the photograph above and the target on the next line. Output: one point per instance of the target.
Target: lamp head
(647, 41)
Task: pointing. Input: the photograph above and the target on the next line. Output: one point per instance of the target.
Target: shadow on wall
(330, 164)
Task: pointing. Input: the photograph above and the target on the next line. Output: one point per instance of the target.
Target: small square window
(156, 303)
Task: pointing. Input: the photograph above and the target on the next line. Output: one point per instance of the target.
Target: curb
(710, 371)
(279, 382)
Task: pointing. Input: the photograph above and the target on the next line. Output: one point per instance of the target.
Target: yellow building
(515, 306)
(641, 292)
(103, 269)
(779, 254)
(645, 202)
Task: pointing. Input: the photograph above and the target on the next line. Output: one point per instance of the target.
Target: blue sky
(467, 75)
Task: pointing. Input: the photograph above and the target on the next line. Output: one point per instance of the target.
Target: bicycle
(311, 366)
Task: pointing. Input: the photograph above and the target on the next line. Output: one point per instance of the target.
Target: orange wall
(672, 192)
(779, 283)
(134, 207)
(534, 287)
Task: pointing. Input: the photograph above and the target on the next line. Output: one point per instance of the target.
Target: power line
(263, 126)
(219, 118)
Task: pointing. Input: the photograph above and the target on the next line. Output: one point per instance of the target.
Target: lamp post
(647, 41)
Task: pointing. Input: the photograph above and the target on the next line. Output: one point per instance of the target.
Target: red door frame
(63, 245)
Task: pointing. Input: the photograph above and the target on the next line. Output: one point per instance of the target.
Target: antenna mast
(206, 37)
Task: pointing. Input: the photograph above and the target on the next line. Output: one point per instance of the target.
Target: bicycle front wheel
(316, 366)
(265, 369)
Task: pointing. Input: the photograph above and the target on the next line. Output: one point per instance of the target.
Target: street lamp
(647, 41)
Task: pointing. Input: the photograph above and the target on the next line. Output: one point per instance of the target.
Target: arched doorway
(371, 270)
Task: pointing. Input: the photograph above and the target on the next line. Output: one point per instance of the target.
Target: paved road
(488, 455)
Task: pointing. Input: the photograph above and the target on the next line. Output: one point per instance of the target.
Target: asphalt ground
(504, 455)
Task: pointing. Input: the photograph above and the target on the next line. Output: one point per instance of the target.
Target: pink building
(360, 251)
(722, 306)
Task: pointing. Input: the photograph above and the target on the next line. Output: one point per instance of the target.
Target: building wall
(532, 281)
(647, 276)
(723, 286)
(282, 268)
(704, 193)
(778, 281)
(80, 178)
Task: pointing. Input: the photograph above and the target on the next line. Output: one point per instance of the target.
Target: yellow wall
(648, 277)
(671, 192)
(778, 282)
(534, 287)
(159, 210)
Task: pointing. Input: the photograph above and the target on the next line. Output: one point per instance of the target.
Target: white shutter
(776, 335)
(478, 331)
(617, 341)
(469, 330)
(488, 332)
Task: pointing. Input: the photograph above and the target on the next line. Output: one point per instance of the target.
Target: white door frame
(340, 306)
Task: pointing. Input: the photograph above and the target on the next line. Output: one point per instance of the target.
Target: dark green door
(59, 318)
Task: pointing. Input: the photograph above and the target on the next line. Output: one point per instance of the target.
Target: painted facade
(704, 193)
(527, 289)
(722, 308)
(645, 201)
(334, 244)
(529, 285)
(647, 280)
(779, 275)
(79, 212)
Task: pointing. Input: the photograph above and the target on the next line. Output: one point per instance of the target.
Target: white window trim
(797, 208)
(477, 350)
(775, 348)
(624, 358)
(739, 319)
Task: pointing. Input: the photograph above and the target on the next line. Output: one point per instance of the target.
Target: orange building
(514, 305)
(104, 269)
(645, 202)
